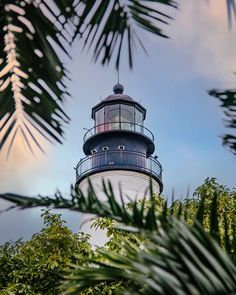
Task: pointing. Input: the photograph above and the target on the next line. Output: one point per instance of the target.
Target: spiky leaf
(32, 76)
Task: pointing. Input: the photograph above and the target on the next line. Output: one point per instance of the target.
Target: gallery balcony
(118, 160)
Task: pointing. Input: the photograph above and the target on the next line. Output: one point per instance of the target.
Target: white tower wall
(133, 184)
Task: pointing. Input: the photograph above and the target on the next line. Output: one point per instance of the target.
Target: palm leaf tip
(21, 201)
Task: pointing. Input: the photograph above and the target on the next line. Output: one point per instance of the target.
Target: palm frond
(113, 207)
(32, 88)
(228, 103)
(228, 97)
(105, 24)
(179, 260)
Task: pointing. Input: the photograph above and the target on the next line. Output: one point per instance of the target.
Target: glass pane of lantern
(112, 117)
(138, 120)
(99, 120)
(127, 115)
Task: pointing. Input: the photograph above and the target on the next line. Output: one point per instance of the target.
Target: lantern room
(118, 111)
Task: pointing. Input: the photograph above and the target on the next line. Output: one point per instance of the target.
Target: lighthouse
(119, 148)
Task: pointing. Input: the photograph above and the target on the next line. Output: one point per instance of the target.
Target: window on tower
(112, 115)
(99, 120)
(138, 120)
(138, 117)
(127, 117)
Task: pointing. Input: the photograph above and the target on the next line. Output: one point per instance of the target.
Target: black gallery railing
(112, 126)
(120, 159)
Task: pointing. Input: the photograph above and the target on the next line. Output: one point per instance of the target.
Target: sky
(171, 83)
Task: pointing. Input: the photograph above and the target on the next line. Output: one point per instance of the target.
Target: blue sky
(172, 83)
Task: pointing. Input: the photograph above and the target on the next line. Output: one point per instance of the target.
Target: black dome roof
(118, 93)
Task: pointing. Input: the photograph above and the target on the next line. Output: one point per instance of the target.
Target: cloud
(201, 31)
(20, 171)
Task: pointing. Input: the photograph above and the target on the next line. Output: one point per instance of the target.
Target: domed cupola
(118, 146)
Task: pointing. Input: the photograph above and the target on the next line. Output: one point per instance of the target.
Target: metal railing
(112, 126)
(119, 159)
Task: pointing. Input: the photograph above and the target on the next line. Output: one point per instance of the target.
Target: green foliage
(8, 261)
(171, 258)
(105, 288)
(213, 205)
(177, 260)
(38, 265)
(154, 248)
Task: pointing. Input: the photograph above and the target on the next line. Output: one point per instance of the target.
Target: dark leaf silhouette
(228, 104)
(104, 25)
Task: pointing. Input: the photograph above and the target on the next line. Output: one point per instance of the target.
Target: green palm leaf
(113, 207)
(105, 24)
(32, 76)
(179, 260)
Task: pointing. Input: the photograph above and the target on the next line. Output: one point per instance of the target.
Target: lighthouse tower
(119, 148)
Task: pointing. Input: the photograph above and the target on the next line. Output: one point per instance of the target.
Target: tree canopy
(37, 266)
